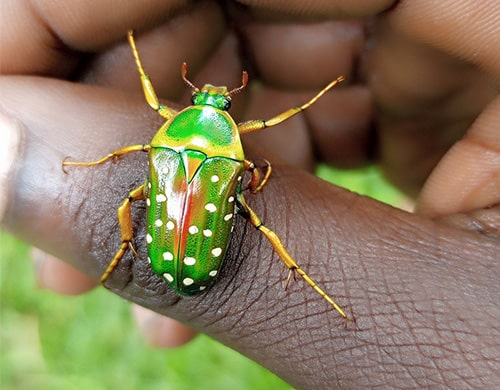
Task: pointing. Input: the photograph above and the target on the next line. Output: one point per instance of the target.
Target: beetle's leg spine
(259, 124)
(125, 222)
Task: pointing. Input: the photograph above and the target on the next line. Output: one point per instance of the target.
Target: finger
(278, 50)
(468, 177)
(400, 275)
(337, 128)
(426, 105)
(194, 37)
(319, 9)
(56, 275)
(160, 331)
(46, 38)
(472, 41)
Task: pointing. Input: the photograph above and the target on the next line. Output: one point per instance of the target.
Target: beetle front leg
(113, 155)
(284, 255)
(256, 183)
(259, 124)
(147, 86)
(125, 222)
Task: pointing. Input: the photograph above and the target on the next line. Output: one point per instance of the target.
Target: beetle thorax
(217, 97)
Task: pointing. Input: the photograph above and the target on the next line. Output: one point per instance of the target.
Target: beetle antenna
(244, 82)
(184, 70)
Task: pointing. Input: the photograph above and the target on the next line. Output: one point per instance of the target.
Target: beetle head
(218, 97)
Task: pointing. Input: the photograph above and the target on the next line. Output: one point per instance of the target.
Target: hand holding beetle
(403, 276)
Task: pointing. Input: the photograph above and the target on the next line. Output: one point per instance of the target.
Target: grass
(90, 341)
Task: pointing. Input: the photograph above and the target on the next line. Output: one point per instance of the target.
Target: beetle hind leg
(284, 255)
(127, 234)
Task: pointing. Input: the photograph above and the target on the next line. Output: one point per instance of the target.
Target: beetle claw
(63, 165)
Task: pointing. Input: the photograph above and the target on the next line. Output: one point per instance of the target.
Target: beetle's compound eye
(227, 104)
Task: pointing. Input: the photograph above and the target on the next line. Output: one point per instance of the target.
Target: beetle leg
(147, 86)
(113, 155)
(259, 124)
(284, 255)
(125, 222)
(256, 183)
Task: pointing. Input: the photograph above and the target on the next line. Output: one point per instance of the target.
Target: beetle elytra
(194, 187)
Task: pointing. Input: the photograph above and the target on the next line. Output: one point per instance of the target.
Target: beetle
(194, 187)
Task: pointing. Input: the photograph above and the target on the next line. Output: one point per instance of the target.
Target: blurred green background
(55, 342)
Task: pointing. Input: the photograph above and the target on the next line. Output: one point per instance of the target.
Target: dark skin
(423, 287)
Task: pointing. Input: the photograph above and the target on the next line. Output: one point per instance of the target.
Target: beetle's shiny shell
(191, 194)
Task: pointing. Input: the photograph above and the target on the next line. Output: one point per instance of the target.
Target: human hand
(401, 275)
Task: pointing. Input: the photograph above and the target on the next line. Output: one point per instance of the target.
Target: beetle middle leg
(113, 155)
(256, 183)
(125, 222)
(284, 255)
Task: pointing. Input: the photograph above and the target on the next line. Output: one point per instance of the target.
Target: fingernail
(10, 150)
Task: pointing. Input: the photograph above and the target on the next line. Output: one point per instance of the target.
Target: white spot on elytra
(149, 260)
(161, 198)
(169, 277)
(187, 281)
(193, 229)
(189, 260)
(231, 199)
(168, 256)
(207, 233)
(148, 202)
(239, 178)
(170, 225)
(213, 273)
(149, 184)
(214, 179)
(227, 217)
(216, 252)
(202, 288)
(210, 207)
(159, 222)
(149, 239)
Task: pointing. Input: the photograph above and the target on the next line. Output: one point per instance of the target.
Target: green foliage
(90, 342)
(367, 181)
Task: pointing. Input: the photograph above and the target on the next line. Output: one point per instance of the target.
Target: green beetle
(194, 188)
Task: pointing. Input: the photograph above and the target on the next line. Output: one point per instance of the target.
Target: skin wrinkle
(372, 300)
